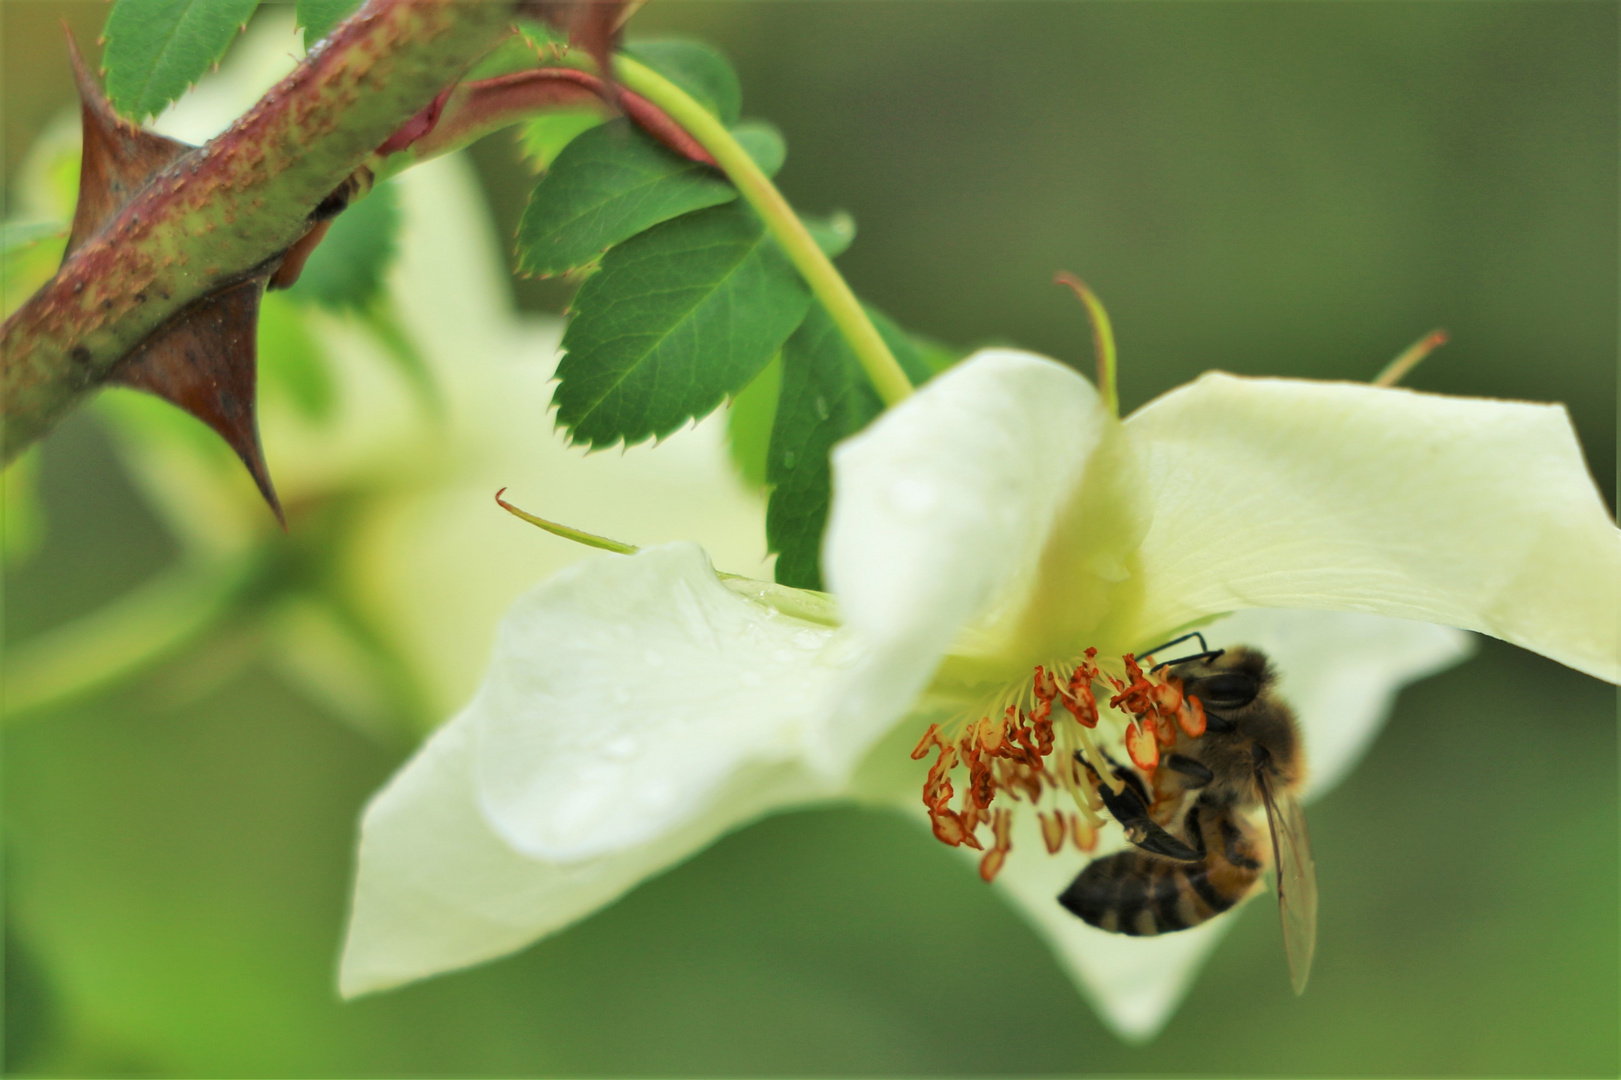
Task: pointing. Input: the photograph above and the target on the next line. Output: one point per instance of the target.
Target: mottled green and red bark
(228, 211)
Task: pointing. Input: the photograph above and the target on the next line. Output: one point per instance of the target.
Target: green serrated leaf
(825, 397)
(612, 182)
(698, 69)
(157, 48)
(346, 269)
(676, 319)
(318, 17)
(540, 140)
(748, 424)
(607, 185)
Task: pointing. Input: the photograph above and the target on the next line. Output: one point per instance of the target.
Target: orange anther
(1164, 728)
(930, 738)
(1191, 716)
(1052, 830)
(1142, 747)
(1167, 698)
(1080, 702)
(991, 864)
(990, 736)
(1083, 834)
(970, 816)
(947, 827)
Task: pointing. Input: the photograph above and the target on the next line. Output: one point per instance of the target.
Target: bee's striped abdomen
(1131, 892)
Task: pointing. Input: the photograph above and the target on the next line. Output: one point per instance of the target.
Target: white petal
(629, 696)
(1341, 672)
(1338, 496)
(941, 513)
(438, 889)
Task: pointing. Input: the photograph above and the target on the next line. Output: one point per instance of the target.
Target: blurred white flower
(639, 707)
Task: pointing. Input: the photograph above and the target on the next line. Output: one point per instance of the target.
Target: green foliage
(158, 48)
(318, 17)
(702, 72)
(763, 143)
(22, 523)
(540, 140)
(29, 256)
(825, 397)
(677, 319)
(541, 36)
(290, 361)
(833, 234)
(613, 181)
(935, 356)
(345, 272)
(606, 186)
(748, 424)
(692, 302)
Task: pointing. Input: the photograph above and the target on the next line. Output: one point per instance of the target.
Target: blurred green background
(1297, 189)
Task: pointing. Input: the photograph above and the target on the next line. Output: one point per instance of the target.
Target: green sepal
(825, 397)
(157, 48)
(676, 320)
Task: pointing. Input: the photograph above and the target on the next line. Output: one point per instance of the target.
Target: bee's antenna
(1177, 641)
(1208, 654)
(1205, 653)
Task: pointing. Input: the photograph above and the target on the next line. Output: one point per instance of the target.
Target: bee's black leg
(1195, 771)
(1130, 807)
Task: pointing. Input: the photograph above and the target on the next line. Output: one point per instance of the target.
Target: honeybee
(1196, 853)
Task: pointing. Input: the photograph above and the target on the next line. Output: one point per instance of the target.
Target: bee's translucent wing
(1296, 881)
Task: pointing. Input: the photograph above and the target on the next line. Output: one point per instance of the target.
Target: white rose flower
(638, 707)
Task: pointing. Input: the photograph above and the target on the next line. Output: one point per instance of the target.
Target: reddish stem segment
(476, 108)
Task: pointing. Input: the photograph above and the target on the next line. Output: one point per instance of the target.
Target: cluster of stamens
(1009, 750)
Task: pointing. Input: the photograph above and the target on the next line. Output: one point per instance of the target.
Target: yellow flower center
(1021, 749)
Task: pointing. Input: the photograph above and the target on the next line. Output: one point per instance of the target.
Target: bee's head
(1247, 727)
(1227, 684)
